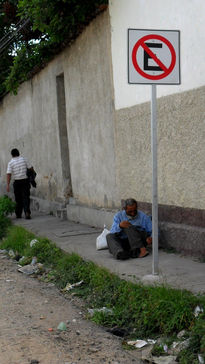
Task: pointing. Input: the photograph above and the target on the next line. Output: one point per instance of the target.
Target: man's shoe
(122, 255)
(134, 253)
(28, 216)
(18, 216)
(143, 253)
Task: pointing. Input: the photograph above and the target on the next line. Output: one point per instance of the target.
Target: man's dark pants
(130, 246)
(22, 196)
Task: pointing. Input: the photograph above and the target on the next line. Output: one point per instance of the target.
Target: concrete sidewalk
(175, 270)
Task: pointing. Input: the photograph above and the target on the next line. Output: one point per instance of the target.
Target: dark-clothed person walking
(17, 169)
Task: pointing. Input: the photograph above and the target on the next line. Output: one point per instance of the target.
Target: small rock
(31, 269)
(178, 346)
(93, 350)
(34, 261)
(147, 352)
(11, 253)
(3, 251)
(33, 242)
(164, 359)
(181, 334)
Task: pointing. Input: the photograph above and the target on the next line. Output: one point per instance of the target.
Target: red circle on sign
(167, 71)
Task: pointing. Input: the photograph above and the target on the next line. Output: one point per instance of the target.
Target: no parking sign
(153, 56)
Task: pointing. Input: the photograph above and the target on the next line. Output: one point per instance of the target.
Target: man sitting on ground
(130, 232)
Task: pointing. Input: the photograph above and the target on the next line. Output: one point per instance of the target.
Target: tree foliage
(52, 25)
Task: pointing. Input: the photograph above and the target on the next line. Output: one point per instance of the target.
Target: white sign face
(153, 57)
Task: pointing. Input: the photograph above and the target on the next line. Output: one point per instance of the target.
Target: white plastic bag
(101, 242)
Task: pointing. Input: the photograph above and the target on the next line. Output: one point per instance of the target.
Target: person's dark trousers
(136, 238)
(117, 246)
(128, 247)
(22, 196)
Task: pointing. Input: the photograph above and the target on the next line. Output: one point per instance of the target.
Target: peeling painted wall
(90, 112)
(108, 150)
(30, 122)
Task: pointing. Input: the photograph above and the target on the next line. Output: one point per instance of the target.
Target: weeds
(17, 239)
(7, 206)
(142, 310)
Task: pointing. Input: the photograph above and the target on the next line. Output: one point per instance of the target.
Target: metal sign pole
(155, 259)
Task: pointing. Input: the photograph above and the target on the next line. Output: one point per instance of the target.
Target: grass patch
(7, 206)
(4, 225)
(144, 311)
(17, 239)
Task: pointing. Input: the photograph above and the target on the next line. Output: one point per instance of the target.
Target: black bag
(31, 174)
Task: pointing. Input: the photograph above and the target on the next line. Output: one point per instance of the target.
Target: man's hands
(124, 224)
(8, 181)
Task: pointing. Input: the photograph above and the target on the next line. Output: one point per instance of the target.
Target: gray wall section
(181, 150)
(109, 151)
(31, 121)
(90, 113)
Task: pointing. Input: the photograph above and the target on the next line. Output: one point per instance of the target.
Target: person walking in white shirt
(17, 168)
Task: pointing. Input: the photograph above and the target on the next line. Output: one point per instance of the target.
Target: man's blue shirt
(141, 221)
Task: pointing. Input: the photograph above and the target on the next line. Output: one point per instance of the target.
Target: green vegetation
(45, 28)
(143, 311)
(7, 206)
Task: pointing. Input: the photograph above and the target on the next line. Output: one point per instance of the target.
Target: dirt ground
(30, 312)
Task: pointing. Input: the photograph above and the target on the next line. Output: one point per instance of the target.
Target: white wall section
(184, 15)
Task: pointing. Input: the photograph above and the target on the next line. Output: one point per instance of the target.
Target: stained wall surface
(180, 108)
(92, 141)
(181, 150)
(33, 122)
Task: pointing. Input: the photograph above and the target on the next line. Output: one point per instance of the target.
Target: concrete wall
(62, 120)
(87, 132)
(29, 122)
(90, 114)
(180, 108)
(105, 155)
(184, 15)
(181, 161)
